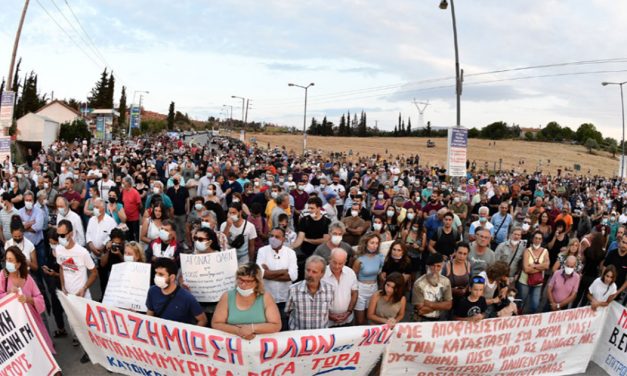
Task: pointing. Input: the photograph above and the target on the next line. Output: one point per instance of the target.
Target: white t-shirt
(75, 263)
(249, 234)
(284, 259)
(600, 291)
(343, 289)
(26, 246)
(104, 187)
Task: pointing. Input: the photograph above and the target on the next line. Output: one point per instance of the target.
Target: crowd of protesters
(321, 241)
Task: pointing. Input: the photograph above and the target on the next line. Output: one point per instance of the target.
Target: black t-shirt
(465, 308)
(445, 244)
(620, 262)
(313, 230)
(557, 247)
(397, 266)
(179, 198)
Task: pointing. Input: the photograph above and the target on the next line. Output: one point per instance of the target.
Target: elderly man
(562, 288)
(336, 233)
(64, 212)
(501, 222)
(310, 301)
(33, 220)
(511, 252)
(344, 281)
(279, 269)
(282, 206)
(483, 222)
(98, 231)
(432, 295)
(481, 256)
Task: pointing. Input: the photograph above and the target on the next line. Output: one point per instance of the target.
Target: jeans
(532, 293)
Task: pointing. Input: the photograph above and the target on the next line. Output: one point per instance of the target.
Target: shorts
(366, 290)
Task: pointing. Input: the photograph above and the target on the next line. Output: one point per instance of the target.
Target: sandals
(59, 333)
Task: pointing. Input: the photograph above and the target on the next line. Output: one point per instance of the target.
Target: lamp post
(622, 103)
(140, 108)
(305, 114)
(459, 75)
(243, 100)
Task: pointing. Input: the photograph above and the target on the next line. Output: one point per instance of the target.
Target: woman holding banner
(15, 279)
(247, 310)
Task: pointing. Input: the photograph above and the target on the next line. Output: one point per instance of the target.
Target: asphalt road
(69, 357)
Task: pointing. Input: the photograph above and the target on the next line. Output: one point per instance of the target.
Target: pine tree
(342, 129)
(409, 126)
(29, 101)
(171, 116)
(399, 132)
(395, 131)
(122, 109)
(98, 95)
(314, 129)
(349, 131)
(16, 78)
(109, 92)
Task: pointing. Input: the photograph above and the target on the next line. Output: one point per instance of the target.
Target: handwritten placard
(128, 286)
(209, 275)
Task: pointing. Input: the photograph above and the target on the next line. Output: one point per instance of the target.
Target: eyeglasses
(197, 239)
(62, 235)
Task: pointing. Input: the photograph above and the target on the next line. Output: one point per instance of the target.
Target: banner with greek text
(128, 286)
(135, 344)
(611, 352)
(23, 350)
(209, 275)
(555, 343)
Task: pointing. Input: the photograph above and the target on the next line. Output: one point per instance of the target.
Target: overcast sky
(361, 54)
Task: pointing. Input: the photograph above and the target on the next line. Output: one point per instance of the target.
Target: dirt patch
(536, 155)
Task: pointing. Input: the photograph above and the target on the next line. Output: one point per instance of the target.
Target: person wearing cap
(432, 296)
(472, 307)
(330, 209)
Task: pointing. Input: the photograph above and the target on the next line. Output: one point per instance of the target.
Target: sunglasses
(200, 239)
(478, 280)
(62, 235)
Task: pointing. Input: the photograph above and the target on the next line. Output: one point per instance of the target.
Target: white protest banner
(23, 350)
(611, 352)
(136, 344)
(555, 343)
(128, 286)
(209, 275)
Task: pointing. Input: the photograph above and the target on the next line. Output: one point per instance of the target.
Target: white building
(59, 112)
(36, 128)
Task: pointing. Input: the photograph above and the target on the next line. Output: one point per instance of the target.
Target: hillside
(545, 155)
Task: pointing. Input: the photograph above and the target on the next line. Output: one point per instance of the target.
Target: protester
(168, 301)
(387, 306)
(367, 267)
(241, 234)
(535, 263)
(562, 288)
(472, 307)
(344, 282)
(432, 297)
(603, 290)
(248, 310)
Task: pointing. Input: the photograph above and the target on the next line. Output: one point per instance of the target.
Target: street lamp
(622, 103)
(140, 108)
(305, 114)
(459, 75)
(243, 100)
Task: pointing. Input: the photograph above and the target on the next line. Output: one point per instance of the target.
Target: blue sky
(361, 54)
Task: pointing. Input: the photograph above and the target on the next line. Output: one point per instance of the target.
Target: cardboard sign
(128, 286)
(209, 275)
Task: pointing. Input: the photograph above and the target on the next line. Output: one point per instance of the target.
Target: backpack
(439, 233)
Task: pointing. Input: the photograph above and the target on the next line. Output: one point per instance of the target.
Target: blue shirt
(183, 308)
(36, 215)
(164, 198)
(431, 224)
(506, 221)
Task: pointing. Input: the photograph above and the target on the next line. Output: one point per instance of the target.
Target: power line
(91, 41)
(68, 35)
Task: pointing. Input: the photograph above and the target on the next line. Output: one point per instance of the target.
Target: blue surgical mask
(10, 267)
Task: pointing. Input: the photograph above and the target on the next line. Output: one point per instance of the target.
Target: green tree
(613, 149)
(349, 131)
(473, 133)
(314, 128)
(552, 132)
(74, 131)
(529, 136)
(409, 126)
(591, 143)
(109, 93)
(586, 131)
(171, 116)
(30, 100)
(495, 131)
(428, 129)
(342, 127)
(122, 109)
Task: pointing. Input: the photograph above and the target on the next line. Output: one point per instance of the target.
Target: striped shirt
(307, 311)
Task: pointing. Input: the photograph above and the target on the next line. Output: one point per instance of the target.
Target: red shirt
(132, 203)
(72, 196)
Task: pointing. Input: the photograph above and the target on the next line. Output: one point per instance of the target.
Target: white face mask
(28, 205)
(129, 258)
(156, 190)
(235, 218)
(10, 267)
(274, 194)
(204, 224)
(569, 271)
(525, 226)
(336, 239)
(245, 292)
(410, 216)
(198, 207)
(164, 235)
(390, 213)
(514, 242)
(377, 226)
(354, 213)
(161, 282)
(96, 212)
(200, 246)
(63, 242)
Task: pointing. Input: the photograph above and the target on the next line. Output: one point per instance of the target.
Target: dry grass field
(542, 155)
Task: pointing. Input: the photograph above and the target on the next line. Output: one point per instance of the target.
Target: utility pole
(15, 44)
(247, 106)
